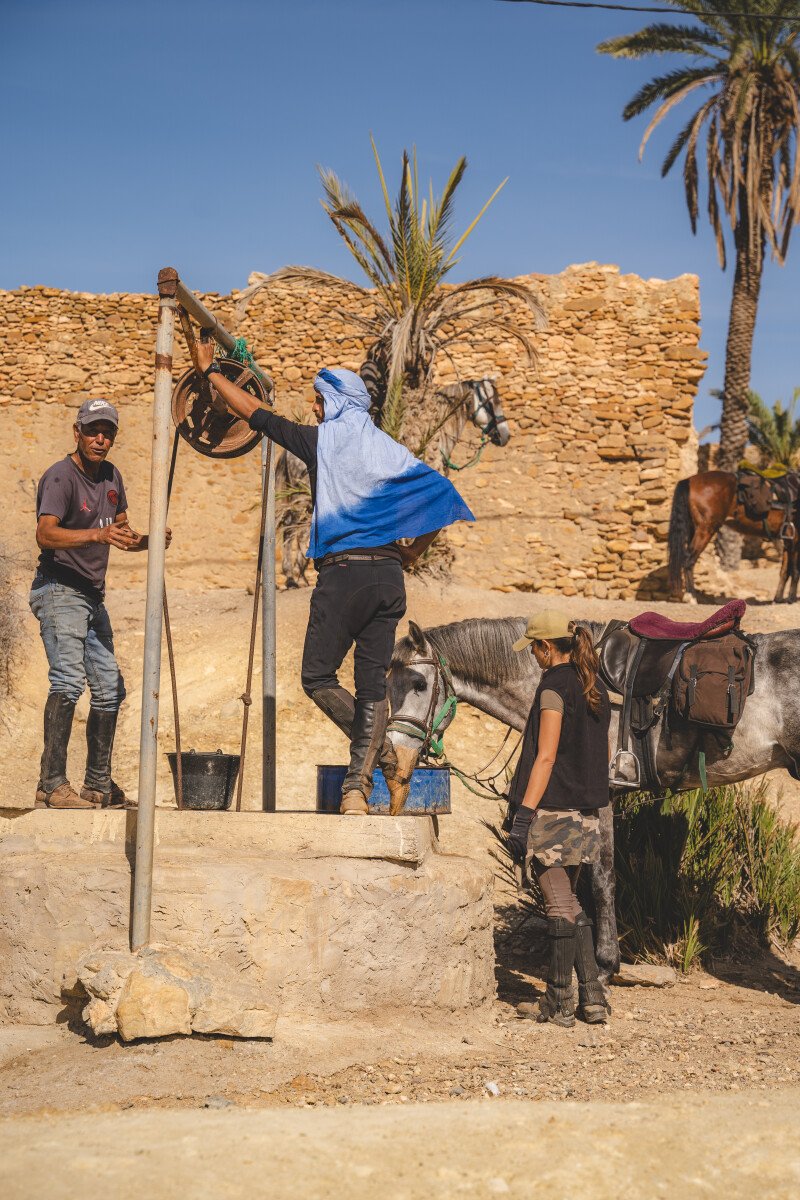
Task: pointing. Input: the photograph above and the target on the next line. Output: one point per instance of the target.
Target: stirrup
(627, 761)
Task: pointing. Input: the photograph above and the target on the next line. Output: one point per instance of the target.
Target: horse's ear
(417, 637)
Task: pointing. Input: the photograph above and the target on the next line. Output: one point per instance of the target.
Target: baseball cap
(97, 410)
(548, 625)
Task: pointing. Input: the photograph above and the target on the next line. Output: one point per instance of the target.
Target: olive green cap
(548, 625)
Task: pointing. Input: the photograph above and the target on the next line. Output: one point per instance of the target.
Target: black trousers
(354, 601)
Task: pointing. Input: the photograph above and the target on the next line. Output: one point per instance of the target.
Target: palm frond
(660, 38)
(257, 281)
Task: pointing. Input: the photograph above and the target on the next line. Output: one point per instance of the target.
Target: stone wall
(322, 915)
(578, 502)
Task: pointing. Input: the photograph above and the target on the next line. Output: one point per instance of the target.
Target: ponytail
(584, 657)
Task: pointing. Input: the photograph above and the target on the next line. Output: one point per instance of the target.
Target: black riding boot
(338, 705)
(591, 996)
(98, 786)
(366, 741)
(558, 1002)
(54, 789)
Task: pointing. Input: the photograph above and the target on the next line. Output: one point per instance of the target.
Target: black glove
(518, 837)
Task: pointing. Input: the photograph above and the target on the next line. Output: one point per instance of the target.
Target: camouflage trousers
(564, 837)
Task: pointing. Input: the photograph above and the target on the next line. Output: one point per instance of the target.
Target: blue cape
(370, 489)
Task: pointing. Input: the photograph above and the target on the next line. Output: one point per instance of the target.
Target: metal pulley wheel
(203, 420)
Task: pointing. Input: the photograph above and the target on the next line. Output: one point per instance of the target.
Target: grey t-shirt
(551, 701)
(79, 503)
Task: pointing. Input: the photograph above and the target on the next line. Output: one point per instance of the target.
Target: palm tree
(748, 68)
(411, 317)
(775, 431)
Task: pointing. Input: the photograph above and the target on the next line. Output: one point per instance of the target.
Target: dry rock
(161, 991)
(645, 975)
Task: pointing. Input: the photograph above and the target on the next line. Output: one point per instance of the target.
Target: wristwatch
(215, 368)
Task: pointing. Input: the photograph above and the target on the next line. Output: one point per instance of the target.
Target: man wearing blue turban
(367, 491)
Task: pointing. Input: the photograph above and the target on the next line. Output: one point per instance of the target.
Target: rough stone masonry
(578, 503)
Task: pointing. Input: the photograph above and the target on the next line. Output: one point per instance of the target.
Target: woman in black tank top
(559, 786)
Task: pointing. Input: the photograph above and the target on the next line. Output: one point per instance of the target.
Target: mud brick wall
(577, 503)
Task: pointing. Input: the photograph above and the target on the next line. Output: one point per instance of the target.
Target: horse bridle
(484, 404)
(427, 731)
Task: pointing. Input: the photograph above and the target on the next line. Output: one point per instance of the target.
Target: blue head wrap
(370, 489)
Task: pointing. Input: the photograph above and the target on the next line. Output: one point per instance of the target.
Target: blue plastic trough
(429, 794)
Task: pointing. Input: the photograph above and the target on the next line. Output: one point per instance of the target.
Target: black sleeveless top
(580, 773)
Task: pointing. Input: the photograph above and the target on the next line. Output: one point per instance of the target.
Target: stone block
(318, 913)
(151, 1008)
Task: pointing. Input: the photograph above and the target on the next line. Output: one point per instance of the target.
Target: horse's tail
(681, 531)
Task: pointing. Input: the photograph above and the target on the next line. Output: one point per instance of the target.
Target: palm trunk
(738, 355)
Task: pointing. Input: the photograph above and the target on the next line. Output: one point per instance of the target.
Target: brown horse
(701, 505)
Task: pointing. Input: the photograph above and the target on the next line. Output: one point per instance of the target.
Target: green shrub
(694, 869)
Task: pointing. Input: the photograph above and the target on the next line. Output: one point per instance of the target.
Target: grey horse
(474, 661)
(474, 400)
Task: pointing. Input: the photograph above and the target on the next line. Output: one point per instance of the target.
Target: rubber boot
(366, 741)
(340, 707)
(558, 1003)
(98, 787)
(54, 788)
(594, 1007)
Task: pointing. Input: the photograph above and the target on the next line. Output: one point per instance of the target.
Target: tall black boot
(366, 740)
(558, 1003)
(98, 787)
(591, 996)
(54, 789)
(340, 707)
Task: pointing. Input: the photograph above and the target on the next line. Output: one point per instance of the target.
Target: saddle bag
(713, 680)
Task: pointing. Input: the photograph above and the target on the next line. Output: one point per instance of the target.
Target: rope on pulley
(241, 354)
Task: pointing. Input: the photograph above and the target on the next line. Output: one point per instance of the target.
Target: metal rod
(168, 633)
(247, 695)
(206, 320)
(151, 671)
(268, 640)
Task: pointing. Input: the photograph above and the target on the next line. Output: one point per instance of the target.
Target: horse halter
(483, 404)
(437, 716)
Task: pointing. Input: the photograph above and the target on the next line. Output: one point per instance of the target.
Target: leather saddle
(638, 660)
(760, 491)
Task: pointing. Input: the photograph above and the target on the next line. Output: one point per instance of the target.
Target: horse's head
(485, 410)
(422, 699)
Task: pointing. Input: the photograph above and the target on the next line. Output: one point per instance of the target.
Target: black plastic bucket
(208, 779)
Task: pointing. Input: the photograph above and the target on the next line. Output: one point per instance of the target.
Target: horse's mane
(477, 650)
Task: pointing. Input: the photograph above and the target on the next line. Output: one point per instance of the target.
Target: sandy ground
(688, 1088)
(733, 1147)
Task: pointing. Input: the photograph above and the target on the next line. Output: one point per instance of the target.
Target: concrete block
(315, 912)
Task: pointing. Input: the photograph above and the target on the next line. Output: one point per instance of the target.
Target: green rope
(476, 459)
(239, 353)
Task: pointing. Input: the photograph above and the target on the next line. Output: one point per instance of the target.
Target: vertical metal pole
(151, 671)
(268, 641)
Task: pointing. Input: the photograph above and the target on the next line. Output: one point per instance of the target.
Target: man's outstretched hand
(205, 353)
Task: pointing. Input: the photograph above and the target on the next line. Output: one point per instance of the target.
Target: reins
(437, 716)
(485, 405)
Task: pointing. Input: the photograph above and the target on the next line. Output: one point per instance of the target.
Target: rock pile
(159, 992)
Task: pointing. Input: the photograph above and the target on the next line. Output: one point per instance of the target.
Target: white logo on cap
(97, 404)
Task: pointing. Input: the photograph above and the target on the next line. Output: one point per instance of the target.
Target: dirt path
(703, 1146)
(736, 1030)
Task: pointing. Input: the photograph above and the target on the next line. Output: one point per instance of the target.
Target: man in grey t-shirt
(81, 512)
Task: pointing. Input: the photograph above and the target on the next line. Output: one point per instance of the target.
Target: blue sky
(161, 132)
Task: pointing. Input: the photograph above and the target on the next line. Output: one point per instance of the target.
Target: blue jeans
(79, 644)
